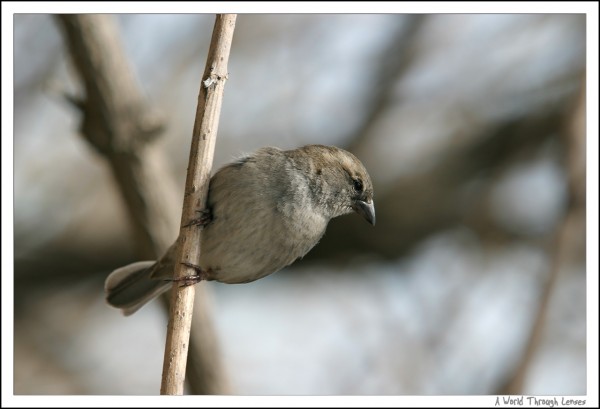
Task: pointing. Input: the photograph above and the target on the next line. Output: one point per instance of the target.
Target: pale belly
(239, 251)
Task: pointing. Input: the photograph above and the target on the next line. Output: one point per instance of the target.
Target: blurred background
(473, 281)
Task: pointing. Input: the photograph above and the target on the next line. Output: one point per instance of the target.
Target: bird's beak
(366, 210)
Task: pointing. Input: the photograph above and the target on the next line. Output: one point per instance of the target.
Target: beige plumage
(266, 210)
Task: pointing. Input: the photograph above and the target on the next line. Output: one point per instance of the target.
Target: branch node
(213, 79)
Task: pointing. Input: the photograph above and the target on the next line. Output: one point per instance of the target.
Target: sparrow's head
(341, 184)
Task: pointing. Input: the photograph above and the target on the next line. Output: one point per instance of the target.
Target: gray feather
(131, 287)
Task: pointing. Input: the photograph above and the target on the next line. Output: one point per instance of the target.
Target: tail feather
(131, 287)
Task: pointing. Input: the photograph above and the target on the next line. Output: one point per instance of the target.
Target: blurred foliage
(470, 127)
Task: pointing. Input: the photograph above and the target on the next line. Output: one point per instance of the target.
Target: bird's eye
(358, 185)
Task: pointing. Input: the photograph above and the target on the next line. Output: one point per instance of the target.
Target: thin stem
(196, 192)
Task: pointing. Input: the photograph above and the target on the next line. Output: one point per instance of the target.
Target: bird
(264, 211)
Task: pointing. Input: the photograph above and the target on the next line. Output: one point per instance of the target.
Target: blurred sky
(394, 327)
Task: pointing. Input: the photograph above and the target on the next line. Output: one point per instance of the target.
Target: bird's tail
(131, 287)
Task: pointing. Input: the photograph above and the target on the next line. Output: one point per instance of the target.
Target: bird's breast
(248, 240)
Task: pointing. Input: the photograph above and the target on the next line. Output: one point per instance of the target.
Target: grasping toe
(204, 218)
(188, 280)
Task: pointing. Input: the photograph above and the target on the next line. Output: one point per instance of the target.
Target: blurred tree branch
(419, 201)
(417, 206)
(568, 243)
(120, 125)
(454, 190)
(395, 60)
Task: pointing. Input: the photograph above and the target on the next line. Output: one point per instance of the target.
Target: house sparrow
(264, 211)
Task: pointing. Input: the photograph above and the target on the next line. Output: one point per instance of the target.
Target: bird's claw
(191, 279)
(202, 220)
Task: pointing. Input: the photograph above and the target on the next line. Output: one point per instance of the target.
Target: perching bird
(264, 211)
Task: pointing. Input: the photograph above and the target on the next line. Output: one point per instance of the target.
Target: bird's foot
(188, 280)
(202, 220)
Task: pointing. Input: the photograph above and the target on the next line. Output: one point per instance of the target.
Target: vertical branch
(120, 125)
(196, 192)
